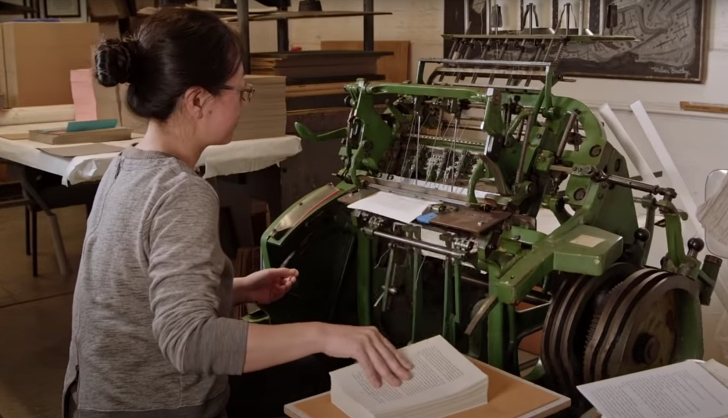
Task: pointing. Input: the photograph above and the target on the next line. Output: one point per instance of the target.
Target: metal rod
(421, 245)
(602, 14)
(524, 148)
(581, 17)
(466, 15)
(369, 26)
(283, 39)
(388, 280)
(487, 62)
(488, 16)
(447, 299)
(565, 137)
(456, 281)
(244, 21)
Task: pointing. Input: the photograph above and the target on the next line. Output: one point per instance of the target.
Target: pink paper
(82, 91)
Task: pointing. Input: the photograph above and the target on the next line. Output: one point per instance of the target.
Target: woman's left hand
(264, 286)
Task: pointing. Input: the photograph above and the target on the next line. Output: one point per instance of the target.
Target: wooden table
(508, 397)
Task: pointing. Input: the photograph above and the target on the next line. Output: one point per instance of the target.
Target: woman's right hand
(376, 355)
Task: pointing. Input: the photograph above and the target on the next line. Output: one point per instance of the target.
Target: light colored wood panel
(394, 67)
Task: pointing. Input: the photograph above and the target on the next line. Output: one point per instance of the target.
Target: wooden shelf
(282, 17)
(311, 15)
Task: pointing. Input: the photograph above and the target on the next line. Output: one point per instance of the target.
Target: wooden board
(704, 107)
(396, 67)
(508, 397)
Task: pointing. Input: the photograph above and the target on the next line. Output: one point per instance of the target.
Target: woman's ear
(194, 101)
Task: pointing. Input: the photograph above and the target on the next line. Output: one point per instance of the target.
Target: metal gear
(567, 324)
(638, 328)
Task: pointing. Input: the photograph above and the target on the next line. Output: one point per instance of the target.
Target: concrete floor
(35, 314)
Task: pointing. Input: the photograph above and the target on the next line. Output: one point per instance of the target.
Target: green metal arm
(307, 134)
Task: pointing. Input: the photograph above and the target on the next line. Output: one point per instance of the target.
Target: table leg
(60, 250)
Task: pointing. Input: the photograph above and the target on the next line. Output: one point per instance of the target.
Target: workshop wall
(83, 18)
(682, 132)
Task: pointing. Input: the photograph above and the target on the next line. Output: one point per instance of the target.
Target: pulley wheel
(641, 325)
(567, 323)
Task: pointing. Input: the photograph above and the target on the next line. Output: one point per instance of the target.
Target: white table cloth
(220, 160)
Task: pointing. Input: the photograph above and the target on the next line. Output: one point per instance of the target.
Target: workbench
(76, 178)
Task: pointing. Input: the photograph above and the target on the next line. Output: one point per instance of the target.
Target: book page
(397, 207)
(683, 390)
(717, 370)
(439, 371)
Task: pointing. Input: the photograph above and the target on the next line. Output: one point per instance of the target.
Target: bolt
(595, 151)
(579, 194)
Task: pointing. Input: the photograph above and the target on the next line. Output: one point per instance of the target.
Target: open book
(443, 382)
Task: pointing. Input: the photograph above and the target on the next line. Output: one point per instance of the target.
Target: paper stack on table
(691, 389)
(443, 383)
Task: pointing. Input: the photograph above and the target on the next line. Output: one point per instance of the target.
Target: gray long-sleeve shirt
(152, 333)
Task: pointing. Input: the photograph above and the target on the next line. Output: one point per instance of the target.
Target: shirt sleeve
(185, 268)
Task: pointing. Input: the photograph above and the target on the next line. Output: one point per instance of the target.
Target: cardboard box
(129, 119)
(91, 100)
(39, 57)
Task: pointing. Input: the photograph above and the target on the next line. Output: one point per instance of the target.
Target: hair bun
(115, 61)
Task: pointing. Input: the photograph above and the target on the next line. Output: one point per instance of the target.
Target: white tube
(627, 144)
(677, 181)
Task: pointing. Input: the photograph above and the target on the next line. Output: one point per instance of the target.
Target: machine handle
(307, 134)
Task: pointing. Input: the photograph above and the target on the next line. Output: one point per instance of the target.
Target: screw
(595, 151)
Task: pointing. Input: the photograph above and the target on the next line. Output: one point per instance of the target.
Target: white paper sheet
(720, 24)
(390, 205)
(718, 370)
(683, 390)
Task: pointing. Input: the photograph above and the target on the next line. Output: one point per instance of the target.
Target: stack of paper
(690, 389)
(443, 383)
(265, 115)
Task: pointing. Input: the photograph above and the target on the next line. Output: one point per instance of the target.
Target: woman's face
(223, 112)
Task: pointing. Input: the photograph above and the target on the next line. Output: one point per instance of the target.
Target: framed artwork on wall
(670, 46)
(62, 8)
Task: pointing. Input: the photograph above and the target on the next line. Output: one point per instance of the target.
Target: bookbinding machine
(481, 135)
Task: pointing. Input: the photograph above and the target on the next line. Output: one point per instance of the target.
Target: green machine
(482, 142)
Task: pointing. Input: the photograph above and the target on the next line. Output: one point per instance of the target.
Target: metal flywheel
(626, 320)
(648, 321)
(567, 324)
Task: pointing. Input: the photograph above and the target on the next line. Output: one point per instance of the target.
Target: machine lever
(307, 134)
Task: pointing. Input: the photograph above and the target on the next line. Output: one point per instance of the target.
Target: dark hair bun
(115, 61)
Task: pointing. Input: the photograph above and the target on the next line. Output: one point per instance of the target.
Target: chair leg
(34, 242)
(27, 231)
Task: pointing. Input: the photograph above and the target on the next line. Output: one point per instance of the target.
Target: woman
(152, 334)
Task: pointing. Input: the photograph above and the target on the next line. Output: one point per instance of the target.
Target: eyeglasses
(246, 93)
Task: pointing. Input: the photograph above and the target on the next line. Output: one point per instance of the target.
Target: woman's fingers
(362, 357)
(397, 354)
(381, 365)
(390, 355)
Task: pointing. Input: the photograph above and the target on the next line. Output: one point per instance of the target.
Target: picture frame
(671, 44)
(62, 8)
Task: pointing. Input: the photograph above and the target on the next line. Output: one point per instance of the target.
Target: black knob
(696, 244)
(641, 234)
